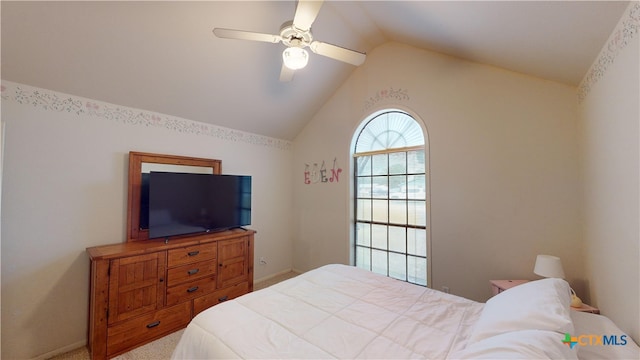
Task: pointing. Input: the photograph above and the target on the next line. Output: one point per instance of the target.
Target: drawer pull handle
(153, 324)
(193, 253)
(192, 289)
(224, 298)
(193, 271)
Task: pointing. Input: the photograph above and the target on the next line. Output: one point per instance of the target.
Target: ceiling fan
(296, 35)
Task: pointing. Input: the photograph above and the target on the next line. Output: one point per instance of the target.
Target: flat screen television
(181, 203)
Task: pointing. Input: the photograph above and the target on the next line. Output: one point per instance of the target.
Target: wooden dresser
(143, 290)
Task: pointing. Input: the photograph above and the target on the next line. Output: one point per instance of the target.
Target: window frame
(355, 202)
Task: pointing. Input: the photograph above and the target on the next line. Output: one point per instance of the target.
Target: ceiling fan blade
(306, 13)
(339, 53)
(286, 74)
(246, 35)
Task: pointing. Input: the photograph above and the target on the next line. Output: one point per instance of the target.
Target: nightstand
(498, 286)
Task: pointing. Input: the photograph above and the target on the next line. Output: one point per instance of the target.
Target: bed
(340, 311)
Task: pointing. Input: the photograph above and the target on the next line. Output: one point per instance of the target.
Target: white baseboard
(276, 275)
(61, 350)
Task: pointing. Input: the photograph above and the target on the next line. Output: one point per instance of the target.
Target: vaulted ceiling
(162, 56)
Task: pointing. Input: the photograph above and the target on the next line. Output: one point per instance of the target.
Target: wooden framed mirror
(141, 163)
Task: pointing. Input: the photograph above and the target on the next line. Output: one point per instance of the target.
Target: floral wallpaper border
(386, 94)
(625, 31)
(58, 102)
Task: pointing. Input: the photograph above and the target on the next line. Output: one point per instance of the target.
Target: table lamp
(551, 267)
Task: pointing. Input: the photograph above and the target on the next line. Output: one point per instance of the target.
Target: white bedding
(340, 311)
(591, 324)
(336, 311)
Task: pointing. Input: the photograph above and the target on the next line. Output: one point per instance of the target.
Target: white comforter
(336, 311)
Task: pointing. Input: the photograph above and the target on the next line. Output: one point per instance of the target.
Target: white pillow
(588, 324)
(522, 344)
(536, 305)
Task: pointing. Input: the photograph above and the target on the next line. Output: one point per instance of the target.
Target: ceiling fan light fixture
(295, 57)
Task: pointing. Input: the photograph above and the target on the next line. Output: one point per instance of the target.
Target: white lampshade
(549, 266)
(295, 57)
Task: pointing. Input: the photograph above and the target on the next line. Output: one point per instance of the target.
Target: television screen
(181, 203)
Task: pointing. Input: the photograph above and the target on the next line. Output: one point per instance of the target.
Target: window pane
(379, 262)
(397, 187)
(398, 163)
(380, 187)
(380, 210)
(363, 210)
(397, 239)
(417, 270)
(364, 165)
(363, 236)
(416, 163)
(398, 212)
(417, 242)
(398, 266)
(364, 187)
(363, 257)
(379, 236)
(417, 213)
(380, 164)
(416, 187)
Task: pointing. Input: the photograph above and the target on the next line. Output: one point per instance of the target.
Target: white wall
(504, 167)
(610, 133)
(65, 189)
(1, 162)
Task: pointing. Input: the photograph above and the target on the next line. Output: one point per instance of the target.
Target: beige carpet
(156, 350)
(163, 347)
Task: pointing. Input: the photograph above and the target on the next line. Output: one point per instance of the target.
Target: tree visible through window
(391, 197)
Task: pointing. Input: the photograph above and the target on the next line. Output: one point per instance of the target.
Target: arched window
(391, 197)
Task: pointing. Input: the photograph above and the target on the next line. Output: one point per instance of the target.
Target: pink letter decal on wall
(318, 174)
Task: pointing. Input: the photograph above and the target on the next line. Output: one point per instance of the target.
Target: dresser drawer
(190, 290)
(187, 272)
(191, 254)
(145, 328)
(204, 302)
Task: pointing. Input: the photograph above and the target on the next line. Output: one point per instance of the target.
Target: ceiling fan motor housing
(295, 37)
